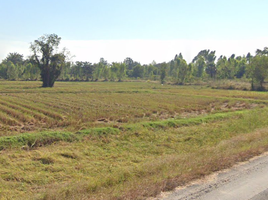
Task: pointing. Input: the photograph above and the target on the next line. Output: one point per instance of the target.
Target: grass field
(126, 140)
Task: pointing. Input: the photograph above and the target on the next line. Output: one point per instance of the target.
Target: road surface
(246, 181)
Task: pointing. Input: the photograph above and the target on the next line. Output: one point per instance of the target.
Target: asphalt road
(246, 181)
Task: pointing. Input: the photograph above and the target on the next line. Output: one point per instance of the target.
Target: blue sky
(145, 30)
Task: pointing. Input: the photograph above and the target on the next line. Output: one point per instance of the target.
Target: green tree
(76, 71)
(114, 71)
(222, 68)
(106, 72)
(190, 70)
(258, 71)
(151, 70)
(163, 72)
(118, 70)
(15, 58)
(200, 67)
(12, 71)
(211, 67)
(49, 62)
(262, 52)
(129, 63)
(138, 71)
(182, 69)
(87, 70)
(249, 57)
(65, 72)
(103, 61)
(241, 67)
(209, 57)
(226, 68)
(32, 72)
(98, 71)
(3, 71)
(121, 73)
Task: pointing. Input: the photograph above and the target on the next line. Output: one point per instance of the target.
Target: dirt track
(246, 181)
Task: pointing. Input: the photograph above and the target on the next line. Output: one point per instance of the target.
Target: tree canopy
(49, 61)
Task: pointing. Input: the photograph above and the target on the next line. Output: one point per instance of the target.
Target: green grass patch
(28, 140)
(192, 121)
(106, 131)
(48, 138)
(35, 140)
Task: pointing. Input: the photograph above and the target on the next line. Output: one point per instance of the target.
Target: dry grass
(72, 106)
(134, 160)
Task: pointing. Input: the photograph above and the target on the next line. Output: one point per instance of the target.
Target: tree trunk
(252, 84)
(46, 78)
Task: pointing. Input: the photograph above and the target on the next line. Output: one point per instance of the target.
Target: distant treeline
(204, 66)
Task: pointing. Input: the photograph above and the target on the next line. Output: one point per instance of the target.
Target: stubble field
(127, 140)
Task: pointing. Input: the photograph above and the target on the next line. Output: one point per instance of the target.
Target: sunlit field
(127, 140)
(24, 106)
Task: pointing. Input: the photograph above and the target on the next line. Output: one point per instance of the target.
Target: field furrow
(82, 105)
(47, 102)
(36, 107)
(21, 117)
(8, 120)
(36, 115)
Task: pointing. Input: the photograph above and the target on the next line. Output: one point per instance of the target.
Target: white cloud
(143, 51)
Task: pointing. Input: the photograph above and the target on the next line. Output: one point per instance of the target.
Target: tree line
(48, 64)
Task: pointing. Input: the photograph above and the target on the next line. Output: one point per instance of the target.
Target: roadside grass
(134, 163)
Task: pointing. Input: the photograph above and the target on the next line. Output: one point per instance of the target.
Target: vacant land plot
(121, 140)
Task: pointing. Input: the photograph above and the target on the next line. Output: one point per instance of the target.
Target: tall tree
(31, 72)
(121, 71)
(106, 73)
(262, 52)
(240, 67)
(103, 61)
(163, 72)
(12, 71)
(98, 71)
(258, 71)
(76, 71)
(209, 57)
(49, 62)
(118, 70)
(222, 67)
(138, 71)
(182, 69)
(88, 70)
(15, 58)
(200, 66)
(211, 67)
(249, 57)
(129, 63)
(3, 71)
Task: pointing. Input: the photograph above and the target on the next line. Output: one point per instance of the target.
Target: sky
(145, 30)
